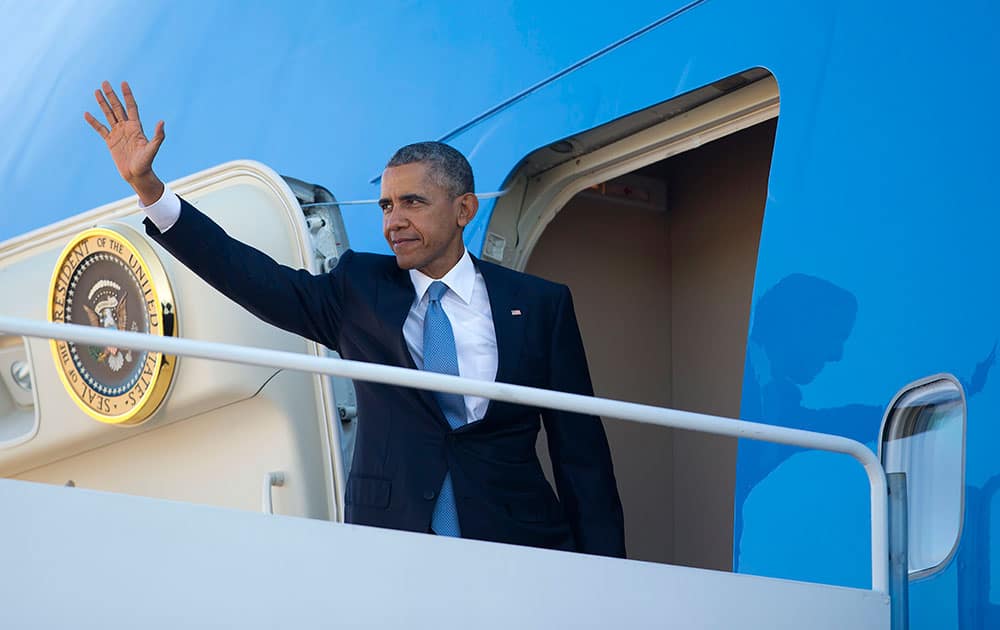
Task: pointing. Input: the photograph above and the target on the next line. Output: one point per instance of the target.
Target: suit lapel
(394, 299)
(508, 320)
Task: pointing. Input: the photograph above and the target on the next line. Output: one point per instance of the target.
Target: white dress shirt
(466, 303)
(165, 212)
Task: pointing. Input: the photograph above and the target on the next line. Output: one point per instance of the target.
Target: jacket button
(429, 494)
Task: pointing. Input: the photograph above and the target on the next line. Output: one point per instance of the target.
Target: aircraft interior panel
(661, 263)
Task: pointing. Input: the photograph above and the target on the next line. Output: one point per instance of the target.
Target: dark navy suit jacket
(404, 445)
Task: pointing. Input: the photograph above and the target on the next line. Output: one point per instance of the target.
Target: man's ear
(467, 208)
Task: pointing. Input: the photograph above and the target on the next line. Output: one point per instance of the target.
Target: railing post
(899, 564)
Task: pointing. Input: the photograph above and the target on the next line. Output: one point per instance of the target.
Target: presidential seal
(109, 277)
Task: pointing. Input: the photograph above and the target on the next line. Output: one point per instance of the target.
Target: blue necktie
(440, 356)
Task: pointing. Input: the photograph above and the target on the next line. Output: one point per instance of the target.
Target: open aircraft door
(189, 430)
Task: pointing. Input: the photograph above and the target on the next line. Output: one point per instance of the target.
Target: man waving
(426, 462)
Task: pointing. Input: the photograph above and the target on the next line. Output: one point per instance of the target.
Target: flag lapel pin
(516, 312)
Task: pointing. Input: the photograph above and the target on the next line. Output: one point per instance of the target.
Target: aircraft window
(924, 437)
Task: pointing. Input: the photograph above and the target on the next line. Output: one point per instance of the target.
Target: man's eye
(386, 208)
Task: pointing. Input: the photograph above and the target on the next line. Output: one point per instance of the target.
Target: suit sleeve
(293, 299)
(578, 446)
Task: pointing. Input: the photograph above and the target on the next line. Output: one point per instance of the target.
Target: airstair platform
(76, 558)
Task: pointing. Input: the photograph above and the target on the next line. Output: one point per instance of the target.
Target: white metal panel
(84, 559)
(178, 453)
(217, 458)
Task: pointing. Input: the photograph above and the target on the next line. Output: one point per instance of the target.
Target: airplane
(778, 212)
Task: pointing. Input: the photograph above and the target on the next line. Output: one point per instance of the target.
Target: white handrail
(497, 391)
(271, 480)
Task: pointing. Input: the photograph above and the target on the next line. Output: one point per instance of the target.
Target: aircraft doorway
(661, 262)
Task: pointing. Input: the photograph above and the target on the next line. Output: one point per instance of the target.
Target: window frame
(906, 389)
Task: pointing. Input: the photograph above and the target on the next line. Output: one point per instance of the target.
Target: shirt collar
(461, 279)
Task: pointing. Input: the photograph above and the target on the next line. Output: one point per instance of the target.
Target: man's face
(421, 221)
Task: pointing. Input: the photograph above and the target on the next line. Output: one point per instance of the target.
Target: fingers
(98, 127)
(116, 105)
(158, 137)
(103, 104)
(131, 109)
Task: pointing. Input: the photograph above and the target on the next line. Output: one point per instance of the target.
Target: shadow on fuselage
(787, 498)
(800, 325)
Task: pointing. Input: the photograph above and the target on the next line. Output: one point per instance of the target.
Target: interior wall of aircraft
(662, 277)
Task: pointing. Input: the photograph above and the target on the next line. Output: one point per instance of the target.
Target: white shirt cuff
(165, 212)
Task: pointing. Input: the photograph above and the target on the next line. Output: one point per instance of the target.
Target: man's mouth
(402, 243)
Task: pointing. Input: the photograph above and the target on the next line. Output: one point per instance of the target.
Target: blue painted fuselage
(877, 261)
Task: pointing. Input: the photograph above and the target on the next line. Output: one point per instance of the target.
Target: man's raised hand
(131, 151)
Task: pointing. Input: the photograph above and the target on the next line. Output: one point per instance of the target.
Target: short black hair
(447, 166)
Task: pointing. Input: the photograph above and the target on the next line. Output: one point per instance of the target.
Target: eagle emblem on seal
(109, 310)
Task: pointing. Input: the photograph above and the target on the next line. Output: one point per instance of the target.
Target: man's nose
(395, 219)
